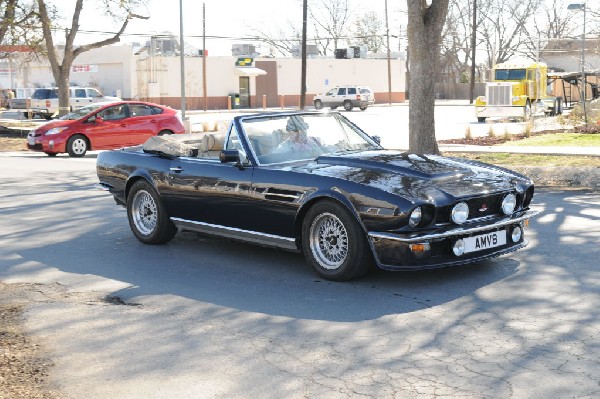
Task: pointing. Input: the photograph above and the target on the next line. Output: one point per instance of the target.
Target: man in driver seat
(298, 141)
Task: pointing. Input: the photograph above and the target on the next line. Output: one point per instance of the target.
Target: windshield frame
(321, 127)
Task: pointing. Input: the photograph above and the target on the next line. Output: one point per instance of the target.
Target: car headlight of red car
(55, 130)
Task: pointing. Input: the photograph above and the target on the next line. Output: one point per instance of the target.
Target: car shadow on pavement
(73, 232)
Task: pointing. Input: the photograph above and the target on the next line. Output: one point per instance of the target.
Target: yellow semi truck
(517, 91)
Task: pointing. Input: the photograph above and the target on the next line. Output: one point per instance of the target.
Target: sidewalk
(581, 151)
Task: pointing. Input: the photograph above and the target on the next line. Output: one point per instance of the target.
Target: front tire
(334, 243)
(147, 216)
(481, 119)
(77, 146)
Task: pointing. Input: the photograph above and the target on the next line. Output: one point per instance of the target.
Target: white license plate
(485, 241)
(31, 140)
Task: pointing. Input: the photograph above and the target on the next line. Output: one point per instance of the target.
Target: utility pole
(204, 90)
(182, 59)
(582, 93)
(389, 64)
(303, 72)
(473, 44)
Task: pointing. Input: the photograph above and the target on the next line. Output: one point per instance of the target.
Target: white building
(273, 82)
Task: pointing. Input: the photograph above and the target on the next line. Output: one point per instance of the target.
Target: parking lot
(208, 318)
(452, 120)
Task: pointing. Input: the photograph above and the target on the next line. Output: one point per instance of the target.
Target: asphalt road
(209, 318)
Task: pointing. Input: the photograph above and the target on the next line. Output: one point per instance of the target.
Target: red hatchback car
(105, 126)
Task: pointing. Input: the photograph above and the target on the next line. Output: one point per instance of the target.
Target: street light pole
(581, 6)
(182, 59)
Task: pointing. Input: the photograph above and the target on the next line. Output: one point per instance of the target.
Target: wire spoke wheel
(144, 212)
(329, 241)
(147, 216)
(334, 243)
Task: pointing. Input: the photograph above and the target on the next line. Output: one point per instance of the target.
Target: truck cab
(517, 91)
(44, 101)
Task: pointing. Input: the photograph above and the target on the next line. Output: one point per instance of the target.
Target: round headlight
(460, 213)
(459, 247)
(517, 233)
(415, 217)
(509, 203)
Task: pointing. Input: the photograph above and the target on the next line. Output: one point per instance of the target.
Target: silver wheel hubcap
(329, 241)
(143, 212)
(79, 146)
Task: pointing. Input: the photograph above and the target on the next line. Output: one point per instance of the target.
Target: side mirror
(376, 139)
(235, 157)
(98, 119)
(229, 156)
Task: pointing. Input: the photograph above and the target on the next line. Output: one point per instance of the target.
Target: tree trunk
(425, 25)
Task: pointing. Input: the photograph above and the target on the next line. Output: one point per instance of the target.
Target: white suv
(346, 96)
(44, 101)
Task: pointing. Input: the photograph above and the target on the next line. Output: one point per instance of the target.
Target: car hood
(418, 176)
(52, 124)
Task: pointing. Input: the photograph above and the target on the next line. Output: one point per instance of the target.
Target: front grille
(486, 206)
(479, 207)
(35, 147)
(499, 95)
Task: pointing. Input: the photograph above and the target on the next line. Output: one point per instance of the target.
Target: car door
(141, 123)
(329, 97)
(111, 130)
(93, 95)
(78, 98)
(202, 190)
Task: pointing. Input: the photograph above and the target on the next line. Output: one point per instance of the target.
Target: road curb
(580, 177)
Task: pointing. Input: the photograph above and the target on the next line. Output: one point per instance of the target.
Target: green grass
(559, 140)
(514, 160)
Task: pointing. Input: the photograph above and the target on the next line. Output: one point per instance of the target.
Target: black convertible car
(316, 183)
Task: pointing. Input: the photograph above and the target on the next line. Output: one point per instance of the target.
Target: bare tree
(504, 27)
(19, 24)
(426, 20)
(119, 10)
(282, 41)
(370, 31)
(331, 20)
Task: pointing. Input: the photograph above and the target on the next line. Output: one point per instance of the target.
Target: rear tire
(77, 146)
(147, 216)
(334, 243)
(363, 108)
(318, 104)
(481, 119)
(164, 133)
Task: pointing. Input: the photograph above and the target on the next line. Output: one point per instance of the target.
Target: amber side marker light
(526, 223)
(419, 247)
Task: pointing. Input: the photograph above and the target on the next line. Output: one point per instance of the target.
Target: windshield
(44, 94)
(510, 74)
(285, 138)
(81, 112)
